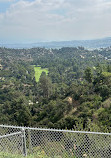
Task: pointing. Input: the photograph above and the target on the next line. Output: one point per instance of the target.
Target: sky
(23, 21)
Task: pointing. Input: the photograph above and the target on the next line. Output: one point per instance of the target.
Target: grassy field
(38, 71)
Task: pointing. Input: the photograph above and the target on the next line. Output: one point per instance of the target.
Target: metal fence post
(24, 142)
(29, 141)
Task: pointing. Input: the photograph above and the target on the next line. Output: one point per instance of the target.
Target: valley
(69, 88)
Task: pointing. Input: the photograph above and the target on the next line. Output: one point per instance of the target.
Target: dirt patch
(69, 99)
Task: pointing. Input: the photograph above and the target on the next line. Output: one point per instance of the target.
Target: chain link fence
(52, 143)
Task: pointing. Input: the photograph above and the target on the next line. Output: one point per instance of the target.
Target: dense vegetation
(75, 93)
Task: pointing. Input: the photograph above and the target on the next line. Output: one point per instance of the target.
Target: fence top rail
(54, 130)
(9, 135)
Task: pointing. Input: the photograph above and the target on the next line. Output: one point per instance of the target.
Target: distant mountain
(97, 43)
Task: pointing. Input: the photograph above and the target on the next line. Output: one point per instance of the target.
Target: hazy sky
(54, 20)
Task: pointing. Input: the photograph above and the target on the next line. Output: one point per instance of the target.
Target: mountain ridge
(94, 44)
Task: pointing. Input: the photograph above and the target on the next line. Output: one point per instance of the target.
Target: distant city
(89, 44)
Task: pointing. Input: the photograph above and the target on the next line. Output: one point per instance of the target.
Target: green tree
(45, 85)
(88, 75)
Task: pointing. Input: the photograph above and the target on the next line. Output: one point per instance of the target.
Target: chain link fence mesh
(11, 140)
(49, 143)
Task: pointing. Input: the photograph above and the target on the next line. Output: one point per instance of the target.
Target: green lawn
(38, 71)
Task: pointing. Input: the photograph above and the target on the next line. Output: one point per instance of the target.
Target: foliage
(37, 155)
(75, 88)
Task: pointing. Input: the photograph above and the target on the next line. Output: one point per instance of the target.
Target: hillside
(76, 92)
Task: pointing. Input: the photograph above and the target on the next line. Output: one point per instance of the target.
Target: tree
(88, 75)
(45, 85)
(20, 113)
